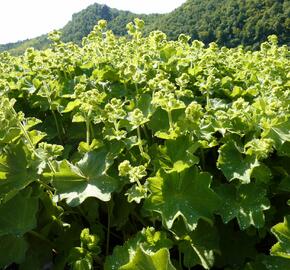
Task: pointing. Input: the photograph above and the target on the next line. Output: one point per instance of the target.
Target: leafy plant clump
(142, 153)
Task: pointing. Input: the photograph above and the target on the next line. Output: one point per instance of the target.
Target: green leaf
(39, 253)
(178, 155)
(80, 259)
(122, 211)
(144, 104)
(151, 241)
(282, 233)
(234, 165)
(279, 134)
(12, 250)
(167, 52)
(83, 264)
(72, 105)
(90, 241)
(36, 136)
(78, 118)
(14, 175)
(136, 193)
(246, 203)
(9, 135)
(88, 178)
(263, 262)
(198, 246)
(18, 215)
(262, 173)
(159, 124)
(142, 260)
(85, 147)
(285, 149)
(285, 184)
(159, 121)
(187, 195)
(167, 135)
(236, 247)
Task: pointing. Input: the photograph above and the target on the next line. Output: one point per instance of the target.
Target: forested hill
(82, 24)
(228, 22)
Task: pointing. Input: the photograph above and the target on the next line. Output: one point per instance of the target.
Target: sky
(22, 19)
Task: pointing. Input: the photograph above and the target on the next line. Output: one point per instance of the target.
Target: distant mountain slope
(83, 22)
(228, 22)
(81, 25)
(20, 46)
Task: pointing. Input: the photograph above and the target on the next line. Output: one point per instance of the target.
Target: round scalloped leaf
(199, 246)
(246, 203)
(187, 195)
(234, 165)
(13, 171)
(142, 260)
(12, 250)
(177, 155)
(279, 134)
(88, 178)
(282, 233)
(263, 262)
(18, 215)
(127, 255)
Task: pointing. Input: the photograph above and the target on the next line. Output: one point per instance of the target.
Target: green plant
(145, 154)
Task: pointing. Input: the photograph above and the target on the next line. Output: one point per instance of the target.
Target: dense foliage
(143, 153)
(227, 22)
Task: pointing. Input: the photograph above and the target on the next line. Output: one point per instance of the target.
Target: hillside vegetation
(228, 22)
(144, 153)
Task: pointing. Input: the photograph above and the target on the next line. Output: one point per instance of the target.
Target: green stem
(145, 131)
(179, 258)
(116, 125)
(207, 100)
(57, 127)
(108, 229)
(45, 185)
(88, 136)
(99, 51)
(139, 183)
(140, 141)
(137, 89)
(92, 131)
(111, 233)
(170, 120)
(27, 137)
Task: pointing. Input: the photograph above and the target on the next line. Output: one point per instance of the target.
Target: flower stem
(170, 120)
(88, 135)
(57, 127)
(140, 141)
